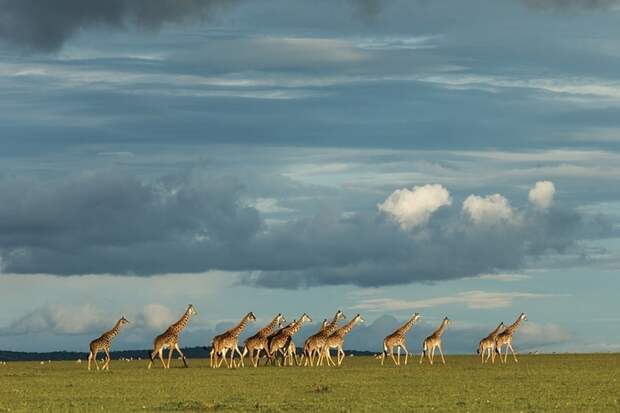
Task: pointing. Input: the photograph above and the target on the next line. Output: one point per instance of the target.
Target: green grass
(537, 383)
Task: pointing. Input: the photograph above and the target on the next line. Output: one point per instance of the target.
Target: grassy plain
(565, 383)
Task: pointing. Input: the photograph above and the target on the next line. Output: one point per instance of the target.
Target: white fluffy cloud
(541, 195)
(157, 316)
(488, 210)
(411, 208)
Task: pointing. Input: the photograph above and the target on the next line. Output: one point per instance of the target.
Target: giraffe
(505, 338)
(314, 344)
(397, 339)
(103, 343)
(228, 341)
(487, 345)
(336, 340)
(170, 339)
(279, 342)
(258, 342)
(434, 341)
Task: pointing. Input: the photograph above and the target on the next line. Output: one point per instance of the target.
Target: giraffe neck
(441, 329)
(114, 331)
(332, 326)
(182, 323)
(346, 329)
(407, 326)
(268, 329)
(495, 332)
(237, 330)
(295, 328)
(513, 327)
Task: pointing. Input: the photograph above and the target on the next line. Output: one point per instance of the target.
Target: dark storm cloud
(46, 25)
(106, 223)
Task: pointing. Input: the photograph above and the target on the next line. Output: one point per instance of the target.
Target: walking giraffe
(103, 343)
(278, 343)
(336, 340)
(170, 339)
(434, 341)
(322, 328)
(258, 342)
(228, 341)
(487, 345)
(505, 338)
(397, 339)
(314, 344)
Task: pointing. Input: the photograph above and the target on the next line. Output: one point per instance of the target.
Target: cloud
(412, 208)
(46, 25)
(541, 195)
(504, 277)
(535, 335)
(113, 223)
(59, 319)
(156, 317)
(470, 299)
(490, 210)
(572, 4)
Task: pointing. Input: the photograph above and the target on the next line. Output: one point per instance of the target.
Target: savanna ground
(563, 383)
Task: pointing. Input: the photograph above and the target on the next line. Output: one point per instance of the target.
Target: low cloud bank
(115, 224)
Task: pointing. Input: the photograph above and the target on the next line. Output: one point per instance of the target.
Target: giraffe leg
(323, 356)
(423, 354)
(160, 352)
(329, 356)
(443, 360)
(432, 355)
(170, 351)
(106, 365)
(240, 357)
(406, 353)
(95, 359)
(398, 351)
(178, 349)
(90, 358)
(223, 359)
(392, 356)
(245, 352)
(514, 355)
(499, 352)
(341, 356)
(232, 356)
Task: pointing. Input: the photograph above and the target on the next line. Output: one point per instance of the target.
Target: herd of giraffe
(275, 342)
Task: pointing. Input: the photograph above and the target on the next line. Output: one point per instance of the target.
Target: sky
(382, 157)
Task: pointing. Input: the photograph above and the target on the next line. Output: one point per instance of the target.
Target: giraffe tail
(151, 355)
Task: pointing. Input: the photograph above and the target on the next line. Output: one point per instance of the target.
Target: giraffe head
(251, 316)
(324, 323)
(358, 319)
(280, 320)
(123, 321)
(340, 315)
(305, 318)
(447, 321)
(191, 310)
(523, 317)
(415, 317)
